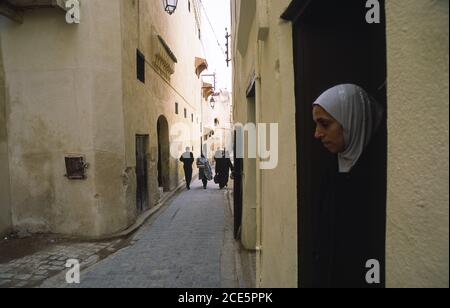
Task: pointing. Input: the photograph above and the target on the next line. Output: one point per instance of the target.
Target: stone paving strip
(31, 271)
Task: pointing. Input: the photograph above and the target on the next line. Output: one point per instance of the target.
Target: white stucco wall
(418, 179)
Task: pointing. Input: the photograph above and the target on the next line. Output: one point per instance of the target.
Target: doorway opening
(249, 209)
(142, 173)
(333, 44)
(163, 154)
(238, 188)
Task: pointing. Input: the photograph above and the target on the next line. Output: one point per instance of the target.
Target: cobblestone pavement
(32, 270)
(189, 245)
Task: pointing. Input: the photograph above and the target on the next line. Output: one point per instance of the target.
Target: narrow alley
(189, 244)
(320, 129)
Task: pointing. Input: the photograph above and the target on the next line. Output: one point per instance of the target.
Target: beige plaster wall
(244, 111)
(141, 105)
(276, 192)
(64, 97)
(145, 103)
(417, 235)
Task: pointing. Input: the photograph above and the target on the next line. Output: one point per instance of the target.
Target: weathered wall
(113, 213)
(5, 206)
(417, 236)
(275, 103)
(72, 89)
(145, 103)
(64, 97)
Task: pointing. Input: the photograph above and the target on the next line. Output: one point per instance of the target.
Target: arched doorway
(163, 154)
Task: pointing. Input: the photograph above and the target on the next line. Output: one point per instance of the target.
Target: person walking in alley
(348, 232)
(223, 167)
(188, 160)
(205, 171)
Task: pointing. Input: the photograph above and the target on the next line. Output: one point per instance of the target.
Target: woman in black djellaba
(223, 168)
(348, 232)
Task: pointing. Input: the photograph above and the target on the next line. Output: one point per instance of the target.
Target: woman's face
(328, 130)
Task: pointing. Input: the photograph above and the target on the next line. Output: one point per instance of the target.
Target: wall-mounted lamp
(170, 6)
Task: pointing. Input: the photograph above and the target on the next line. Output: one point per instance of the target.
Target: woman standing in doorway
(348, 232)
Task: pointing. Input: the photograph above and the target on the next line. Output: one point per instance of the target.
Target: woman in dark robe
(348, 232)
(204, 170)
(223, 167)
(188, 160)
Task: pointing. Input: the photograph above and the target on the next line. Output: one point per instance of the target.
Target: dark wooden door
(238, 190)
(141, 173)
(333, 44)
(160, 161)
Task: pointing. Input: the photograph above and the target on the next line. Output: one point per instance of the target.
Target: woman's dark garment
(204, 173)
(223, 167)
(205, 183)
(347, 228)
(188, 162)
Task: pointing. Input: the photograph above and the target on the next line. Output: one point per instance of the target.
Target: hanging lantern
(212, 102)
(170, 6)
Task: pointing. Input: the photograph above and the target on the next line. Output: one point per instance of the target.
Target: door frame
(306, 91)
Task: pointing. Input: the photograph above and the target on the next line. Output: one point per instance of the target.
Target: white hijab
(359, 115)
